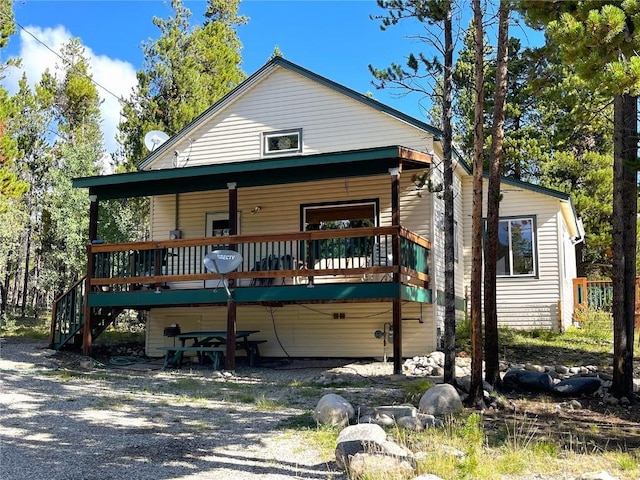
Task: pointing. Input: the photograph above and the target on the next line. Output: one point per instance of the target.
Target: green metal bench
(174, 355)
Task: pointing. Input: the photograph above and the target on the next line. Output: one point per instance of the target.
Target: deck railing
(325, 256)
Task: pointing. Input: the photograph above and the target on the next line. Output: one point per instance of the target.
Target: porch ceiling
(271, 171)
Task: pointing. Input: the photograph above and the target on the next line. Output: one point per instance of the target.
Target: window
(339, 216)
(284, 141)
(218, 225)
(516, 247)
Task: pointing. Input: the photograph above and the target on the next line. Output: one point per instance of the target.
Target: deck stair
(68, 318)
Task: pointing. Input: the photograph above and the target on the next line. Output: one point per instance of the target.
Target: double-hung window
(516, 247)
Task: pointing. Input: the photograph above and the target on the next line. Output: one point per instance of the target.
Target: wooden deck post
(93, 235)
(395, 250)
(231, 304)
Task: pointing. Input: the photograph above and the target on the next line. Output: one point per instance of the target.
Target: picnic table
(212, 345)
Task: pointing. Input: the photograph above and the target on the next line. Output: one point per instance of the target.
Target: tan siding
(304, 330)
(330, 121)
(280, 206)
(526, 302)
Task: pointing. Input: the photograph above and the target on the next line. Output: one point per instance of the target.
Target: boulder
(429, 421)
(527, 380)
(362, 432)
(576, 386)
(371, 465)
(410, 423)
(602, 475)
(440, 399)
(332, 409)
(464, 383)
(367, 438)
(382, 420)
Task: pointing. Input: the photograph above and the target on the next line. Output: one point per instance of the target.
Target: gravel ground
(63, 419)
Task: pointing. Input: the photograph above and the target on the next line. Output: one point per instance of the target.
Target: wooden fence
(598, 295)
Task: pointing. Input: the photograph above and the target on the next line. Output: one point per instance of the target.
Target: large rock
(332, 409)
(576, 386)
(440, 400)
(371, 465)
(527, 381)
(367, 438)
(464, 383)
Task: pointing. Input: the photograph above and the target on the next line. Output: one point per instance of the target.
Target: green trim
(535, 188)
(325, 292)
(459, 302)
(161, 299)
(416, 294)
(298, 293)
(270, 171)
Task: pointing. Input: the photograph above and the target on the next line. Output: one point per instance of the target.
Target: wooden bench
(253, 352)
(173, 357)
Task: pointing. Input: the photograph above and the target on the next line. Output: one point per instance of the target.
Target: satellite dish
(223, 262)
(154, 139)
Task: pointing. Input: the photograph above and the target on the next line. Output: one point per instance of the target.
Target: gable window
(516, 247)
(283, 141)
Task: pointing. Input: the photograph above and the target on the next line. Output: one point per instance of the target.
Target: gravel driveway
(63, 419)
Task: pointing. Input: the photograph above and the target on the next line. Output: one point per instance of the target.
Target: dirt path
(136, 424)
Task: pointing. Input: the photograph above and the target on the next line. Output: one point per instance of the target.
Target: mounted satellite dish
(222, 262)
(154, 139)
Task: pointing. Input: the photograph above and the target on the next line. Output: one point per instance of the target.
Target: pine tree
(185, 71)
(600, 40)
(492, 371)
(74, 102)
(422, 74)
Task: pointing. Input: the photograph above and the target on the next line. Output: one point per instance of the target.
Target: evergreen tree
(10, 186)
(74, 101)
(600, 39)
(476, 389)
(492, 371)
(419, 75)
(185, 71)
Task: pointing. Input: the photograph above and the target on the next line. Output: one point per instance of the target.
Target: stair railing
(68, 314)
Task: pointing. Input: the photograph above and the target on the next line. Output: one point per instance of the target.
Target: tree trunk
(625, 202)
(476, 390)
(493, 201)
(449, 254)
(27, 258)
(4, 289)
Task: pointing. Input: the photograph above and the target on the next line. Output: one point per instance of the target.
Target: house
(341, 255)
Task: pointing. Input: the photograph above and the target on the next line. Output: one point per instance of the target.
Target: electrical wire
(91, 79)
(275, 331)
(373, 315)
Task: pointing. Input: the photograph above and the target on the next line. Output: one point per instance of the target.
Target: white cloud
(117, 76)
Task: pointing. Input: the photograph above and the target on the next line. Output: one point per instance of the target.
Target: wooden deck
(360, 255)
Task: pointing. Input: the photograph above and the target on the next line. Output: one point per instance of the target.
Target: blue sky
(335, 39)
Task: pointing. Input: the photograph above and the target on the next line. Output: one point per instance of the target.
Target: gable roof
(250, 82)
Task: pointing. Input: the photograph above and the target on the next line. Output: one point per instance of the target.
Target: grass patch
(414, 389)
(267, 404)
(28, 328)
